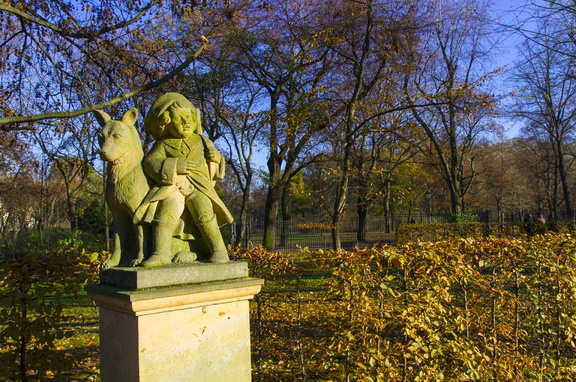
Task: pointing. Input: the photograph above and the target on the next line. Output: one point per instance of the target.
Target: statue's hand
(185, 166)
(190, 165)
(212, 155)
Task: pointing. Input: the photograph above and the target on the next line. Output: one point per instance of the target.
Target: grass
(83, 345)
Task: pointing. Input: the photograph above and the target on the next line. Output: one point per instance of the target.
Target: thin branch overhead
(6, 122)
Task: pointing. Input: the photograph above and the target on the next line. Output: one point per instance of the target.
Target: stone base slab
(172, 274)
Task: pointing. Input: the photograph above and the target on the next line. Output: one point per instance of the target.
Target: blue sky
(510, 12)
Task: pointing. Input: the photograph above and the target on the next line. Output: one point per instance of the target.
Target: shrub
(54, 240)
(31, 315)
(458, 310)
(407, 233)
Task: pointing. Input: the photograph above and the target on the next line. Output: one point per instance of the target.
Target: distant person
(529, 224)
(551, 224)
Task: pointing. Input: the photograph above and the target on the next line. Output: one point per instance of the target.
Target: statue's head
(172, 115)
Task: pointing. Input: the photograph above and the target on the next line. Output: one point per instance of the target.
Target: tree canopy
(324, 108)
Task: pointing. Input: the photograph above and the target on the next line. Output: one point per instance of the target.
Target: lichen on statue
(165, 207)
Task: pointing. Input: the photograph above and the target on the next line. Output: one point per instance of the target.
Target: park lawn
(83, 345)
(298, 319)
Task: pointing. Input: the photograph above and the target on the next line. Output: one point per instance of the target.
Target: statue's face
(182, 123)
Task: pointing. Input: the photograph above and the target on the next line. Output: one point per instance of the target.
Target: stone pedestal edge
(135, 278)
(151, 301)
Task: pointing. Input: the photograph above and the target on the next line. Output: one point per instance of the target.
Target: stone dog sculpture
(181, 207)
(126, 185)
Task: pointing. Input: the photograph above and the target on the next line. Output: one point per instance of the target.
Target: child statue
(183, 164)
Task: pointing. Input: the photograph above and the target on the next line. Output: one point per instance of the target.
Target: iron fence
(315, 232)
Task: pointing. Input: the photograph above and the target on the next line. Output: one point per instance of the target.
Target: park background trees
(323, 109)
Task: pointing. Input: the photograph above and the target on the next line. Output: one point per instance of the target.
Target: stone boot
(213, 238)
(161, 245)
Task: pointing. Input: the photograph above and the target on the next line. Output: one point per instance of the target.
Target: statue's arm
(160, 167)
(217, 169)
(214, 159)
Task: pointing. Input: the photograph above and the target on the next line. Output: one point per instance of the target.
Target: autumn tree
(535, 162)
(546, 102)
(445, 70)
(18, 187)
(378, 154)
(49, 44)
(558, 16)
(507, 178)
(365, 38)
(400, 148)
(277, 50)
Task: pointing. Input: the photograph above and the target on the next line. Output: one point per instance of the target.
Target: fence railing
(315, 233)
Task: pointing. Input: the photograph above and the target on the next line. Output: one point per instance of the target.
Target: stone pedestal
(175, 323)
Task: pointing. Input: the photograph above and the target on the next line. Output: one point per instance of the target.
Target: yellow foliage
(464, 309)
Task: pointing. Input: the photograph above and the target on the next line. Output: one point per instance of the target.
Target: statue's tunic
(161, 165)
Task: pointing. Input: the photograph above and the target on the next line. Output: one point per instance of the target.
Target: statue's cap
(151, 122)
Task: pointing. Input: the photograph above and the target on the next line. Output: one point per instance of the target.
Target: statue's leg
(140, 240)
(200, 207)
(120, 229)
(114, 260)
(167, 214)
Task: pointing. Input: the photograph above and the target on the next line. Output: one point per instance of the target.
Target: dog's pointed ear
(101, 116)
(130, 116)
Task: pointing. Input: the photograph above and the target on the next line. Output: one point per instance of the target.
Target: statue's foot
(135, 262)
(219, 257)
(184, 257)
(110, 263)
(156, 261)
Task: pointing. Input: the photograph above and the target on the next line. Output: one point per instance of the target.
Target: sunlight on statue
(181, 207)
(126, 185)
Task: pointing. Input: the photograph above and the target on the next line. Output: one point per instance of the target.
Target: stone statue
(181, 208)
(183, 196)
(126, 185)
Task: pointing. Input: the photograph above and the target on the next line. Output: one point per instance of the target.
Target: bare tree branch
(86, 33)
(75, 113)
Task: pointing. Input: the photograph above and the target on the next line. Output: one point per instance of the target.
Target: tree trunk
(387, 216)
(336, 245)
(362, 210)
(271, 217)
(564, 181)
(274, 165)
(286, 217)
(456, 200)
(242, 235)
(340, 203)
(72, 212)
(342, 191)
